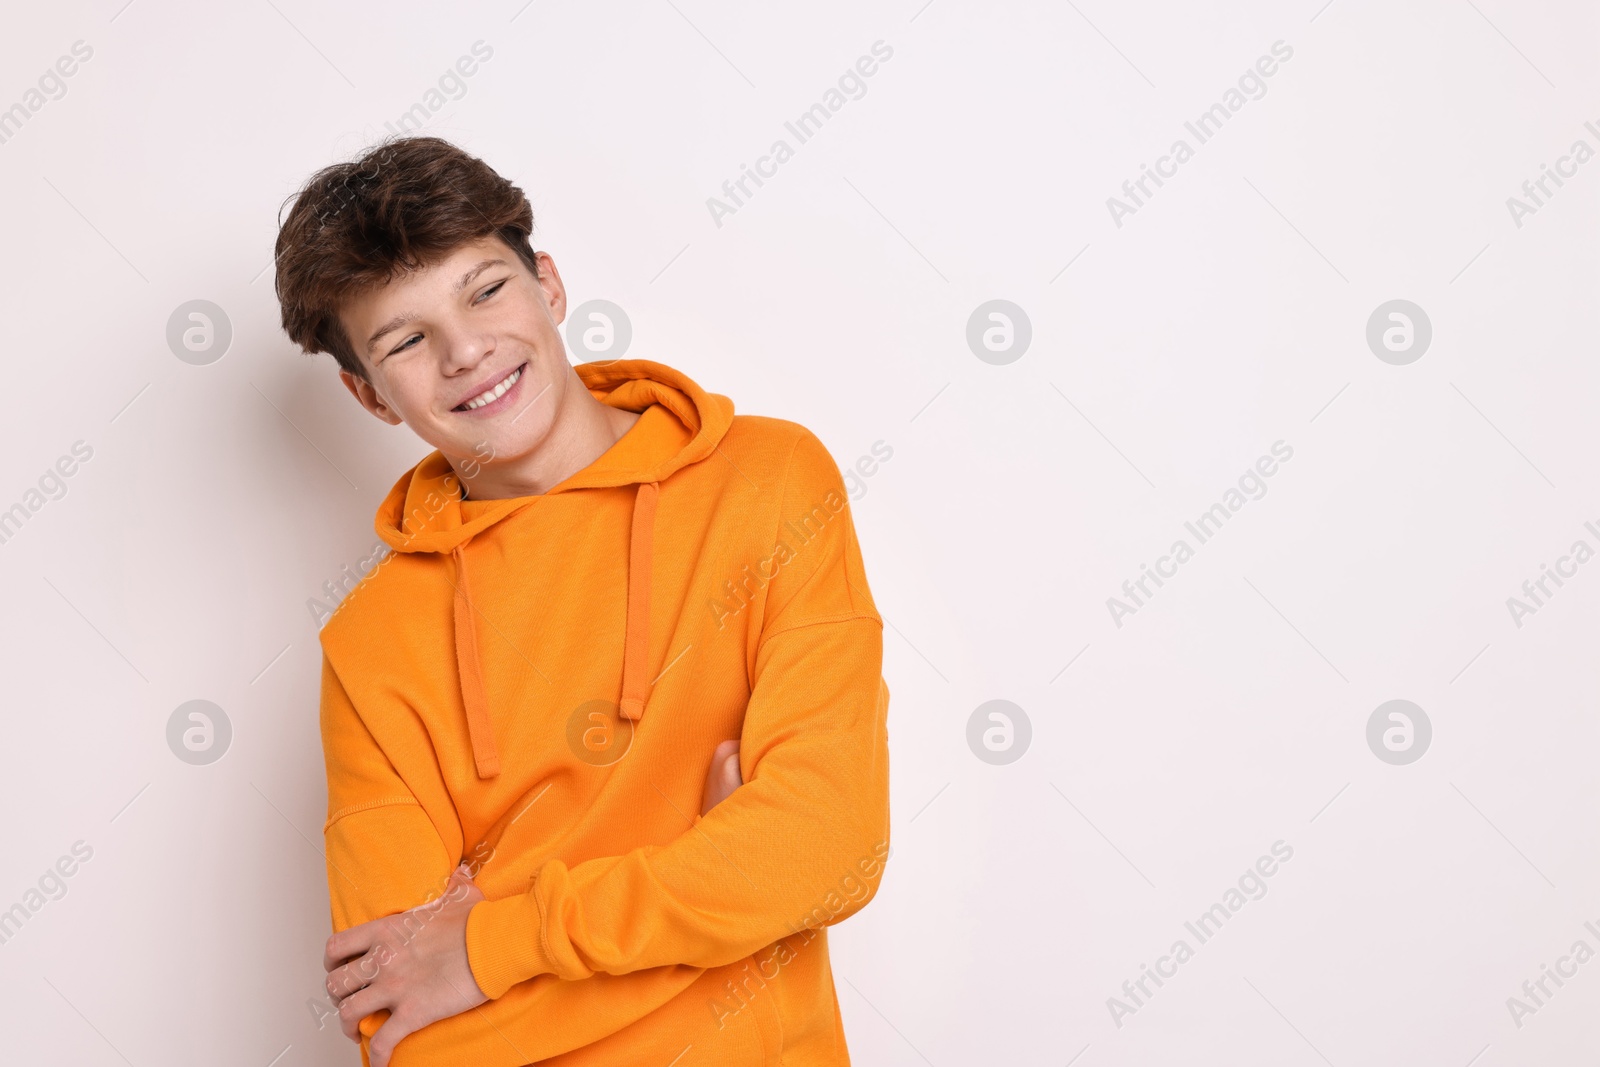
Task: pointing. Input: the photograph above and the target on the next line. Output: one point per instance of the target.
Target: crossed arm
(415, 964)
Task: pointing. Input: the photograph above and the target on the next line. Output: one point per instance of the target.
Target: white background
(1228, 313)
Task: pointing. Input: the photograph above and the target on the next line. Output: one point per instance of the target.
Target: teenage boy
(599, 577)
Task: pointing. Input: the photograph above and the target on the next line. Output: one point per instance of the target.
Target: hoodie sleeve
(799, 844)
(384, 854)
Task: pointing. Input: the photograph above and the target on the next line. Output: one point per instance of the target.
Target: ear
(368, 397)
(555, 293)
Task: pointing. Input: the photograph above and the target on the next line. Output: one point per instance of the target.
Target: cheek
(407, 389)
(534, 338)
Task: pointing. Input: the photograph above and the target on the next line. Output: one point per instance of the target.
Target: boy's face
(438, 343)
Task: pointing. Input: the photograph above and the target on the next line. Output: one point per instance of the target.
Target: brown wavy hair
(404, 204)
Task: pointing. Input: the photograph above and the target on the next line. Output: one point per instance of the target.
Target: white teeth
(489, 396)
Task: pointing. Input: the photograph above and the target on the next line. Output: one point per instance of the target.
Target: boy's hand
(414, 964)
(723, 777)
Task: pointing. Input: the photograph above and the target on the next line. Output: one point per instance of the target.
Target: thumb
(722, 777)
(725, 764)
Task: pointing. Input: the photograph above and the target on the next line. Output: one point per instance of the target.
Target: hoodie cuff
(505, 943)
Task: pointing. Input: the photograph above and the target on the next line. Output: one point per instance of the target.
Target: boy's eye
(486, 294)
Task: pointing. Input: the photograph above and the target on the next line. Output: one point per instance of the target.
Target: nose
(464, 348)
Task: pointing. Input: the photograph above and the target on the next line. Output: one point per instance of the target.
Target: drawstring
(479, 729)
(635, 644)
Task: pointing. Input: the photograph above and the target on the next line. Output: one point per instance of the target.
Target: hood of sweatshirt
(680, 424)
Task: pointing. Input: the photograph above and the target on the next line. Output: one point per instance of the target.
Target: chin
(505, 445)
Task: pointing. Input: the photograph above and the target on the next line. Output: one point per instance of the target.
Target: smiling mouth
(493, 393)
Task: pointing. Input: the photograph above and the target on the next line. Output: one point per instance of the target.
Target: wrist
(505, 943)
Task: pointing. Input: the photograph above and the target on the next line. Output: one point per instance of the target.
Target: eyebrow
(405, 317)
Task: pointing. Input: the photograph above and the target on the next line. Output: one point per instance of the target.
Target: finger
(348, 944)
(460, 891)
(728, 752)
(330, 962)
(388, 1036)
(711, 794)
(728, 774)
(344, 981)
(358, 973)
(456, 884)
(722, 778)
(356, 1007)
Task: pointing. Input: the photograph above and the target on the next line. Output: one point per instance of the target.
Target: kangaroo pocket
(728, 1017)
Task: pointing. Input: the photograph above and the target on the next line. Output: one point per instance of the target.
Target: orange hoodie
(535, 686)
